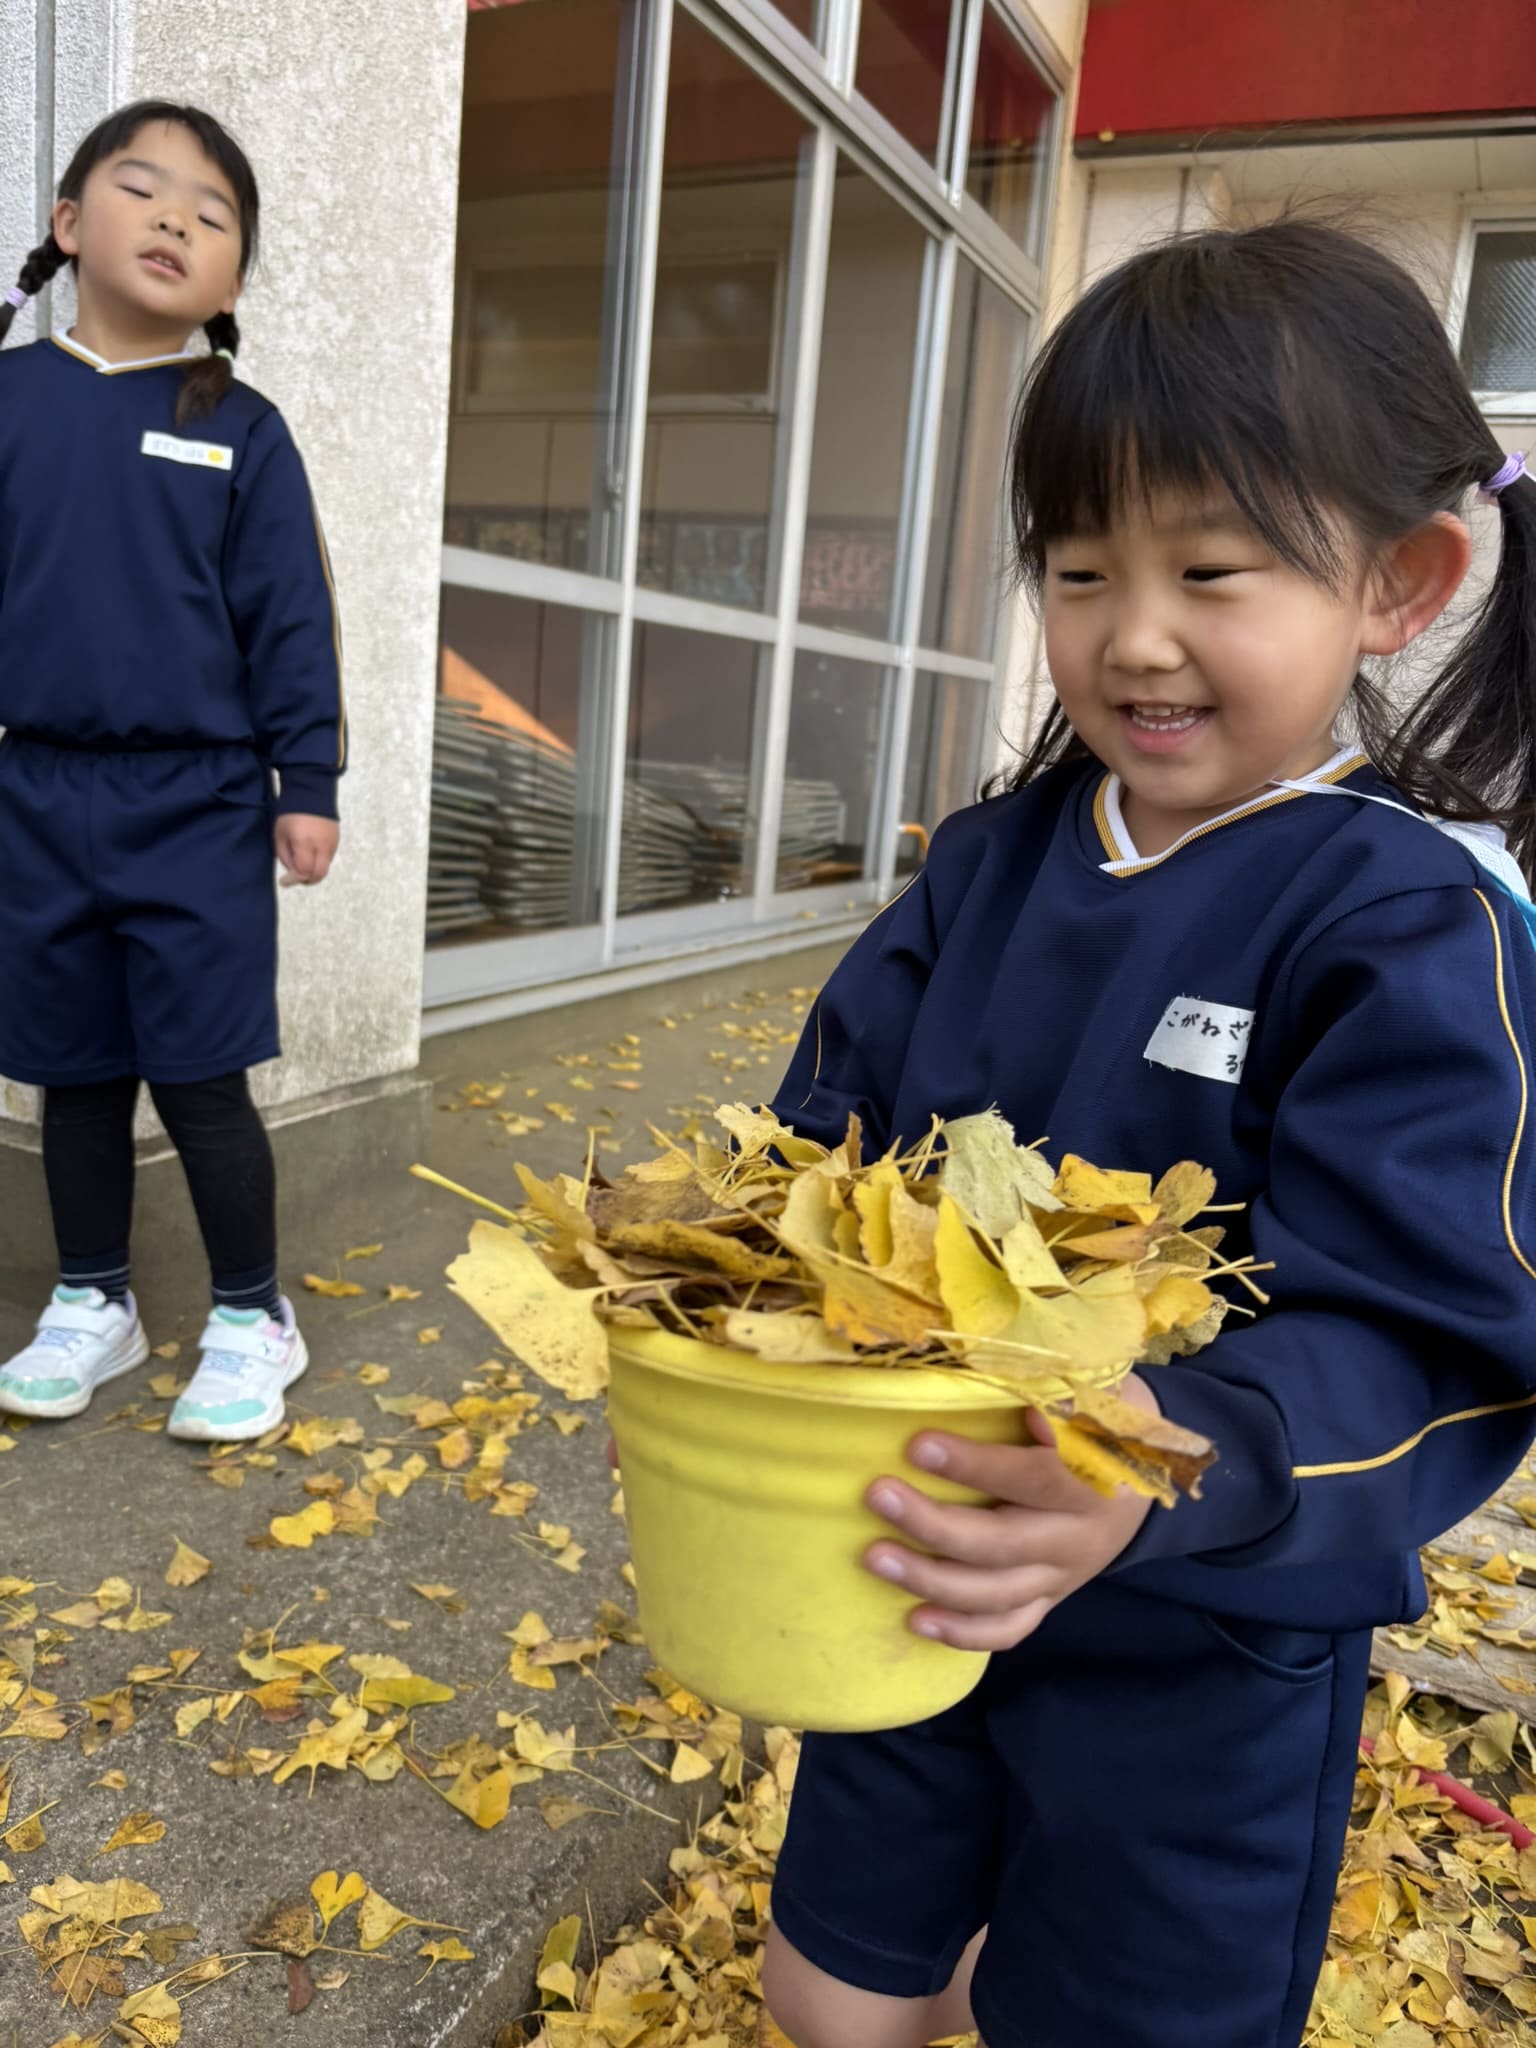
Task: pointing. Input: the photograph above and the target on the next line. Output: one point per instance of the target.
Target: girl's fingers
(979, 1632)
(985, 1536)
(962, 1588)
(1027, 1476)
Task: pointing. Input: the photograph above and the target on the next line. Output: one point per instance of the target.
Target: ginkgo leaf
(688, 1766)
(551, 1327)
(187, 1566)
(286, 1926)
(536, 1745)
(1108, 1442)
(364, 1251)
(450, 1951)
(122, 1898)
(333, 1894)
(298, 1532)
(192, 1716)
(378, 1922)
(556, 1975)
(484, 1800)
(334, 1290)
(134, 1831)
(154, 2014)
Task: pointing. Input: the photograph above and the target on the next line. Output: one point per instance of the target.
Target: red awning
(1171, 70)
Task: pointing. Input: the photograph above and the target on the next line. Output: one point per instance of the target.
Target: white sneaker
(82, 1340)
(237, 1391)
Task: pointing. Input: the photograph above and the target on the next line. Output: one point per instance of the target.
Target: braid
(42, 264)
(205, 381)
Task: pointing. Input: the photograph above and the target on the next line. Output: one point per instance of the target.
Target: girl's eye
(1209, 574)
(137, 191)
(1078, 577)
(217, 225)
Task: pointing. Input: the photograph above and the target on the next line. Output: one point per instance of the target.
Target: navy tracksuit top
(162, 586)
(1330, 1004)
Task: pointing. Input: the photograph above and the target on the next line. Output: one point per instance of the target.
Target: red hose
(1469, 1802)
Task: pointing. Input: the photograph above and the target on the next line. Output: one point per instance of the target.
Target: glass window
(966, 571)
(735, 154)
(689, 825)
(903, 58)
(1005, 171)
(836, 727)
(863, 392)
(804, 15)
(1498, 339)
(532, 396)
(946, 746)
(515, 843)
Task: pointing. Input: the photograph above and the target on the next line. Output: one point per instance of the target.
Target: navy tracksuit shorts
(138, 921)
(1144, 1804)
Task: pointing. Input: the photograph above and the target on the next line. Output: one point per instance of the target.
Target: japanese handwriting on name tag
(1203, 1038)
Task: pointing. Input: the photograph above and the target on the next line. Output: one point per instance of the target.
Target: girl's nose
(1140, 642)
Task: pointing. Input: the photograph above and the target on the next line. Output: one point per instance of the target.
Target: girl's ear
(66, 226)
(1414, 582)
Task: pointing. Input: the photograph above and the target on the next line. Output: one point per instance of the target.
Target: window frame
(1488, 217)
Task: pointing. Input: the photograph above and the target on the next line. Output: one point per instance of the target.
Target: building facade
(654, 360)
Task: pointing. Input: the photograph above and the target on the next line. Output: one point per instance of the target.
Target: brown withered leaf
(1108, 1442)
(286, 1925)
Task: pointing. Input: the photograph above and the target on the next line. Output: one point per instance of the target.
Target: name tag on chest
(1206, 1039)
(200, 454)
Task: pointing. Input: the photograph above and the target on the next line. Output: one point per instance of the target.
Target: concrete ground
(107, 1495)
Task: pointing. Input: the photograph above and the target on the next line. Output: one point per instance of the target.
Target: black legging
(225, 1154)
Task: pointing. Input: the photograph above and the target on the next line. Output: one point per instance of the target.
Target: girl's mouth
(1162, 728)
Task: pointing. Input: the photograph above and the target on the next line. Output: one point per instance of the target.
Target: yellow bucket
(744, 1486)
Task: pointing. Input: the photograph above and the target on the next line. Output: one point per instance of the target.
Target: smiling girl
(1235, 908)
(171, 640)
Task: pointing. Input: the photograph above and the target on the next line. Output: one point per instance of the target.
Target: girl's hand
(306, 847)
(996, 1573)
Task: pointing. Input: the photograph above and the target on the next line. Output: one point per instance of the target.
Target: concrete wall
(350, 113)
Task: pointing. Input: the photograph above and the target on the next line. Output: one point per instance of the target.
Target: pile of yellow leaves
(1432, 1943)
(1053, 1282)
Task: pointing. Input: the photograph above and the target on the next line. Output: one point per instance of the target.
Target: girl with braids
(1235, 907)
(171, 641)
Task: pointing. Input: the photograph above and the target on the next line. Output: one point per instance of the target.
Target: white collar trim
(1130, 859)
(68, 342)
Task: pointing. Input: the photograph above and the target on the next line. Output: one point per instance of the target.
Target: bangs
(117, 132)
(1202, 368)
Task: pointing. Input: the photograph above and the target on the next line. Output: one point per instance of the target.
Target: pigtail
(45, 261)
(1467, 749)
(207, 379)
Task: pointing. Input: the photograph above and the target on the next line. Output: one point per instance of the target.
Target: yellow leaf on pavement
(298, 1532)
(688, 1765)
(333, 1894)
(333, 1290)
(136, 1830)
(484, 1800)
(187, 1566)
(154, 2014)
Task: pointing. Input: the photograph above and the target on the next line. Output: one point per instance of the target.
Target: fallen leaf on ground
(187, 1566)
(365, 1251)
(333, 1290)
(298, 1532)
(134, 1831)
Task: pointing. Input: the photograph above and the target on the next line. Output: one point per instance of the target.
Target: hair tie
(1509, 471)
(227, 353)
(14, 296)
